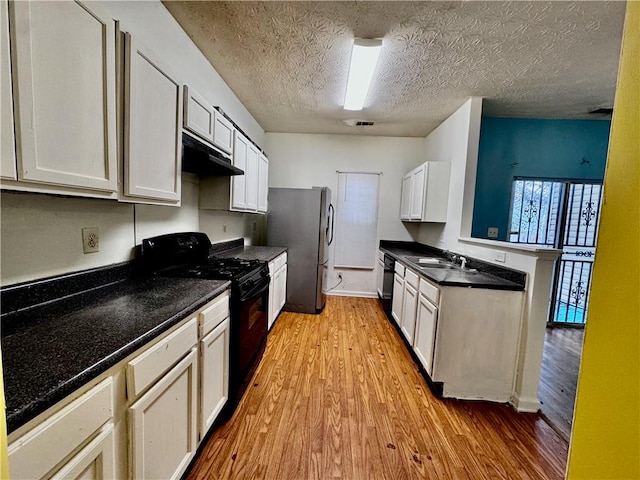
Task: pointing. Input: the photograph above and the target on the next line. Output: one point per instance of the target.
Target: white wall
(222, 226)
(306, 160)
(456, 141)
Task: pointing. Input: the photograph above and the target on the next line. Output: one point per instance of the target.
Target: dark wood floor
(338, 396)
(559, 377)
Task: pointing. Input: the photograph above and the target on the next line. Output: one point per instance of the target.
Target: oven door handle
(258, 289)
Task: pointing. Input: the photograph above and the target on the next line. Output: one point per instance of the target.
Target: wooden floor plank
(559, 377)
(338, 396)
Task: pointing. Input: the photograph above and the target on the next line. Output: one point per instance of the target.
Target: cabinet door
(425, 338)
(153, 126)
(251, 175)
(282, 289)
(198, 114)
(238, 182)
(93, 462)
(409, 306)
(417, 192)
(64, 60)
(163, 424)
(405, 205)
(7, 136)
(398, 293)
(223, 133)
(263, 183)
(214, 375)
(380, 277)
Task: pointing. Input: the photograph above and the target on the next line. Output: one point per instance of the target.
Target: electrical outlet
(90, 240)
(492, 232)
(224, 228)
(501, 257)
(255, 226)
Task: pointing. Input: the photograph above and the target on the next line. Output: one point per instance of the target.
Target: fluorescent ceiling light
(363, 62)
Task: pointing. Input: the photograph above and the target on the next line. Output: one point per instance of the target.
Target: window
(356, 220)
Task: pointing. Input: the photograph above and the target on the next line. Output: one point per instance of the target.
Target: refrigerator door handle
(331, 214)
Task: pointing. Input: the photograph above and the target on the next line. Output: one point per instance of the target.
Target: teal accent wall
(533, 148)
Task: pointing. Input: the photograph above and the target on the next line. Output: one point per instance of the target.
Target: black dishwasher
(387, 284)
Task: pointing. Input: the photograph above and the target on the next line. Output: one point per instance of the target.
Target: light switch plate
(492, 232)
(501, 257)
(90, 240)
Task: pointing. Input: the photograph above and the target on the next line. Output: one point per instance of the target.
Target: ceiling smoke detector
(352, 122)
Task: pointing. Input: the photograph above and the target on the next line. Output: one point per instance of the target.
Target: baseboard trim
(347, 293)
(525, 405)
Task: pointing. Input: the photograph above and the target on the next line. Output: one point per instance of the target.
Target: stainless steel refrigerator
(301, 219)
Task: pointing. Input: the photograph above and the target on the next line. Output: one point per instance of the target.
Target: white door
(7, 136)
(93, 462)
(64, 61)
(425, 337)
(251, 175)
(238, 182)
(409, 306)
(263, 183)
(405, 205)
(163, 424)
(214, 375)
(417, 192)
(398, 293)
(153, 126)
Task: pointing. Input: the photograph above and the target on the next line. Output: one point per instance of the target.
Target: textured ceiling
(288, 61)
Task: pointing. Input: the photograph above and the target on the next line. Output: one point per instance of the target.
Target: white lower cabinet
(93, 462)
(425, 335)
(398, 294)
(39, 453)
(409, 305)
(214, 375)
(163, 424)
(143, 418)
(277, 287)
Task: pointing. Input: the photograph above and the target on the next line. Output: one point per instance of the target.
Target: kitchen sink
(430, 261)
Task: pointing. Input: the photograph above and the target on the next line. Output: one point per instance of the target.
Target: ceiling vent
(602, 111)
(358, 123)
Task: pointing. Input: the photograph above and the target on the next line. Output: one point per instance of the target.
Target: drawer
(147, 367)
(38, 451)
(411, 278)
(272, 268)
(430, 291)
(214, 313)
(399, 269)
(380, 256)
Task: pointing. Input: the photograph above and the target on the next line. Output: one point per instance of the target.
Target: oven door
(252, 333)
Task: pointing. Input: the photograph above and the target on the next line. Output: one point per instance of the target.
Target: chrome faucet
(463, 262)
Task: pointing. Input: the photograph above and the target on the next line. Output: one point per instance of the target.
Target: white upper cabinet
(153, 127)
(223, 133)
(7, 137)
(63, 59)
(238, 182)
(199, 116)
(263, 183)
(425, 193)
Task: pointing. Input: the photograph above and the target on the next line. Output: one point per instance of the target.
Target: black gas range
(187, 255)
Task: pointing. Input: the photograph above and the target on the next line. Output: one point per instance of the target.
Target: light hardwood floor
(338, 396)
(559, 377)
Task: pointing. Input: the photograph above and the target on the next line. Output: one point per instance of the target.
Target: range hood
(206, 161)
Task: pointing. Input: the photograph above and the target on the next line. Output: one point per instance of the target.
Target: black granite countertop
(237, 249)
(53, 348)
(478, 274)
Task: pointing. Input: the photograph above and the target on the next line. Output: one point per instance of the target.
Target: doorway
(563, 215)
